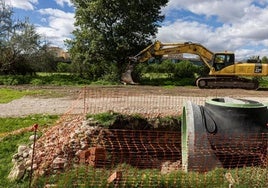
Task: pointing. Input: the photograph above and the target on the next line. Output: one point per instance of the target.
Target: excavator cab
(222, 60)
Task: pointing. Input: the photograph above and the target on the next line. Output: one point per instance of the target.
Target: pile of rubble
(57, 149)
(74, 140)
(22, 162)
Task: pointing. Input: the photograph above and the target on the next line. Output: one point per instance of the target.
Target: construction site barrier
(74, 153)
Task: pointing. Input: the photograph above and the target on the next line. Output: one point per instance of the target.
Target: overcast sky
(234, 25)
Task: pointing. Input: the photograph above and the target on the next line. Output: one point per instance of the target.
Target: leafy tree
(111, 30)
(264, 59)
(20, 45)
(185, 69)
(47, 60)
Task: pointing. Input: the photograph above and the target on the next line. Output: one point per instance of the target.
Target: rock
(51, 145)
(156, 123)
(31, 138)
(90, 119)
(21, 149)
(30, 153)
(77, 131)
(15, 156)
(34, 167)
(17, 172)
(77, 153)
(72, 135)
(87, 133)
(115, 177)
(58, 163)
(28, 163)
(85, 123)
(25, 154)
(83, 145)
(20, 159)
(168, 167)
(50, 185)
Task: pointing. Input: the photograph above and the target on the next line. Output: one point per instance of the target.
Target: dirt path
(135, 99)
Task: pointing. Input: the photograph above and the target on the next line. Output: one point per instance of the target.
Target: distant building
(59, 53)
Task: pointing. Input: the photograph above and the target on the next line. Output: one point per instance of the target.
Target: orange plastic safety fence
(76, 154)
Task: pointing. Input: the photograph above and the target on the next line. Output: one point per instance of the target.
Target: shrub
(139, 71)
(37, 82)
(167, 67)
(184, 69)
(63, 67)
(15, 79)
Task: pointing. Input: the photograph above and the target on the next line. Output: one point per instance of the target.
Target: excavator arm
(159, 49)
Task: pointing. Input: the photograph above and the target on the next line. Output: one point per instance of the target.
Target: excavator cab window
(223, 60)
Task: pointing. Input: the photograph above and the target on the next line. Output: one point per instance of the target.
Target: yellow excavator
(224, 71)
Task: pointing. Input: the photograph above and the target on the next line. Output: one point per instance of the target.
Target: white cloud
(60, 26)
(184, 31)
(62, 2)
(243, 27)
(22, 4)
(225, 10)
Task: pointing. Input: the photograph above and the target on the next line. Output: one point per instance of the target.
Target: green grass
(57, 79)
(8, 147)
(12, 124)
(159, 79)
(162, 79)
(8, 95)
(105, 119)
(264, 82)
(86, 176)
(10, 143)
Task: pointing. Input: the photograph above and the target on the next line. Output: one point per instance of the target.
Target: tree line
(22, 50)
(107, 33)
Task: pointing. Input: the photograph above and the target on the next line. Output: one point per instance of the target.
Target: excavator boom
(159, 49)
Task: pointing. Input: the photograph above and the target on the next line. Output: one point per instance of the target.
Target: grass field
(10, 140)
(85, 176)
(67, 79)
(56, 79)
(7, 95)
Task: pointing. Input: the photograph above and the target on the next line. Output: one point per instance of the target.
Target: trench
(207, 141)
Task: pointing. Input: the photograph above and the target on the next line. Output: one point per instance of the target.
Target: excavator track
(213, 82)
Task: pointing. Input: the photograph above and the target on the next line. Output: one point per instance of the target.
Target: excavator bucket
(126, 77)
